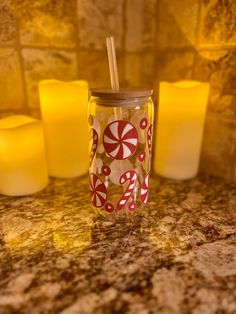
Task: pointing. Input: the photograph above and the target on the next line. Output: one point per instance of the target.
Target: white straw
(111, 52)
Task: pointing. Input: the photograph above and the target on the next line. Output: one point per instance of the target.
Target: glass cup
(121, 125)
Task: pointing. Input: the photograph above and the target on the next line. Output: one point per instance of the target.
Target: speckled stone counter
(178, 256)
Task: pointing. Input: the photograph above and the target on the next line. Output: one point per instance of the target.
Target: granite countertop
(178, 256)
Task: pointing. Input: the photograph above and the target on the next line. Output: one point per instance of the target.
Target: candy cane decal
(149, 137)
(94, 146)
(145, 189)
(130, 176)
(98, 191)
(120, 139)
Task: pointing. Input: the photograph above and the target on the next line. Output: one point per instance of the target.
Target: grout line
(217, 47)
(155, 75)
(197, 37)
(25, 106)
(58, 48)
(193, 74)
(77, 28)
(211, 115)
(179, 49)
(124, 25)
(141, 67)
(156, 51)
(199, 14)
(18, 110)
(145, 50)
(123, 42)
(38, 47)
(155, 46)
(199, 49)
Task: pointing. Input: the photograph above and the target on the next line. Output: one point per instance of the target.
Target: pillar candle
(181, 115)
(23, 167)
(64, 113)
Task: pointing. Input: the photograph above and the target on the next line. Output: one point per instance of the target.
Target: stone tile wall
(196, 39)
(65, 39)
(156, 40)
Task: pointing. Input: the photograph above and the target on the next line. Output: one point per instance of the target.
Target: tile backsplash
(156, 40)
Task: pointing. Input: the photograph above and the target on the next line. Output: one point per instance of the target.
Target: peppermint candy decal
(149, 138)
(98, 191)
(94, 146)
(120, 139)
(144, 191)
(132, 177)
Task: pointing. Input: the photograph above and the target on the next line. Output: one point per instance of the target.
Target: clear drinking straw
(111, 53)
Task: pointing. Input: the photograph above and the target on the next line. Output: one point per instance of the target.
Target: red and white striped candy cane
(144, 191)
(132, 177)
(94, 146)
(149, 138)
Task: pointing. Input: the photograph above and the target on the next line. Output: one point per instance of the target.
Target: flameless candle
(64, 113)
(181, 115)
(23, 167)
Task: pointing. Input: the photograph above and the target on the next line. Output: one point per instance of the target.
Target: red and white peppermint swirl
(94, 146)
(132, 177)
(98, 191)
(120, 139)
(145, 189)
(149, 138)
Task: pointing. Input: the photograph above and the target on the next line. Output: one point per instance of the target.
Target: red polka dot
(142, 156)
(106, 170)
(132, 206)
(143, 123)
(109, 207)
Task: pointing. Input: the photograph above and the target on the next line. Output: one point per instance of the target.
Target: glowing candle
(23, 167)
(64, 113)
(181, 115)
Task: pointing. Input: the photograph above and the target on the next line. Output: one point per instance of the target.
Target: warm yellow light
(181, 115)
(64, 107)
(23, 168)
(72, 235)
(67, 239)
